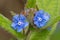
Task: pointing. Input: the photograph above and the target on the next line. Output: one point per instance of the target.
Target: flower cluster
(40, 19)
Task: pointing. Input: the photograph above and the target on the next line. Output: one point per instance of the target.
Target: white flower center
(39, 18)
(19, 23)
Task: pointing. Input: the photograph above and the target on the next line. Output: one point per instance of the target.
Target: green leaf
(52, 7)
(56, 34)
(31, 4)
(42, 34)
(6, 25)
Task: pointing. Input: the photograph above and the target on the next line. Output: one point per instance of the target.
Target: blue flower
(19, 22)
(41, 18)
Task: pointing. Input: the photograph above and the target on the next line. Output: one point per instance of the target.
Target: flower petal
(40, 12)
(46, 16)
(42, 24)
(16, 18)
(22, 17)
(19, 28)
(35, 18)
(26, 24)
(14, 25)
(37, 24)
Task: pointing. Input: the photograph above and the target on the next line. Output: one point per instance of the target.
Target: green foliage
(56, 34)
(30, 3)
(42, 34)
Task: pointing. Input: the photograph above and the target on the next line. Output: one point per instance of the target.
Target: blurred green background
(56, 34)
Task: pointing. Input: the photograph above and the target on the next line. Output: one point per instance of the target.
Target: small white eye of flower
(39, 18)
(19, 23)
